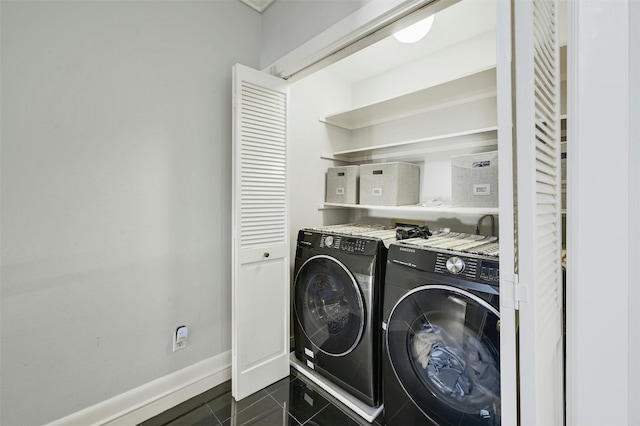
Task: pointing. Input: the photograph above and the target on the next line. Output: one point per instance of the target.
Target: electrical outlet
(180, 338)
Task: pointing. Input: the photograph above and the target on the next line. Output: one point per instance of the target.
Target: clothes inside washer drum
(458, 373)
(447, 371)
(443, 367)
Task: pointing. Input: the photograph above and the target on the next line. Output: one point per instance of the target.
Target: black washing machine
(441, 332)
(337, 306)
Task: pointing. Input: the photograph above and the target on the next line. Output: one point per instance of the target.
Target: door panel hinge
(512, 291)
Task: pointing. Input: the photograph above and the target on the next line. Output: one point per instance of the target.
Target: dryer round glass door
(443, 344)
(328, 305)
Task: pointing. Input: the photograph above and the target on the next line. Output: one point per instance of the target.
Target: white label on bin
(308, 352)
(376, 192)
(310, 364)
(482, 189)
(483, 163)
(339, 191)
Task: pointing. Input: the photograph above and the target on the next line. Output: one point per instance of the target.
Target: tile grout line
(214, 414)
(319, 411)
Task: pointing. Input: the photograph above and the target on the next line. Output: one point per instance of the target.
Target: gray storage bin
(389, 184)
(474, 180)
(342, 184)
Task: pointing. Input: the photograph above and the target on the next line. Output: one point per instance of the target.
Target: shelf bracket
(330, 156)
(324, 206)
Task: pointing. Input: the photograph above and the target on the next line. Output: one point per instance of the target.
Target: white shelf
(461, 98)
(474, 138)
(462, 90)
(416, 209)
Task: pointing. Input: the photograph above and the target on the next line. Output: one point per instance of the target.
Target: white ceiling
(461, 21)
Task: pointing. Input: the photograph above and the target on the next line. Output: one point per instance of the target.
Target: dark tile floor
(293, 401)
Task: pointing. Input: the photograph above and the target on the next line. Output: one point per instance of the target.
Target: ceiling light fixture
(415, 32)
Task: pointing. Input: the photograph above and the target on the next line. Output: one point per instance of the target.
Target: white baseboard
(150, 399)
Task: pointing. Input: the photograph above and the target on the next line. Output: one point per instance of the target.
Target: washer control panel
(468, 267)
(342, 243)
(329, 243)
(456, 265)
(490, 271)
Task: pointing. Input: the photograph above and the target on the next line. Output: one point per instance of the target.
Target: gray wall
(116, 151)
(287, 24)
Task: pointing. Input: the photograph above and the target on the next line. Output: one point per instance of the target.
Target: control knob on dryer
(455, 265)
(328, 241)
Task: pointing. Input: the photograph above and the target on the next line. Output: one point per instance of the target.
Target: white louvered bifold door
(508, 341)
(538, 215)
(260, 274)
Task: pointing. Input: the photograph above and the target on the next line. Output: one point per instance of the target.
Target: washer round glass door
(443, 345)
(328, 305)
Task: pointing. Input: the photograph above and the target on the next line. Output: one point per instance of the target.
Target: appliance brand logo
(407, 249)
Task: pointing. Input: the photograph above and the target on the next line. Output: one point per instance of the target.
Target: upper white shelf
(465, 89)
(484, 137)
(416, 209)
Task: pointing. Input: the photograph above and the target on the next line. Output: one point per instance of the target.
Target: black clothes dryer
(337, 306)
(441, 333)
